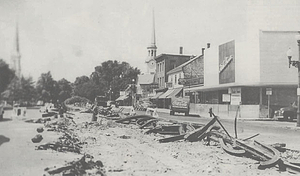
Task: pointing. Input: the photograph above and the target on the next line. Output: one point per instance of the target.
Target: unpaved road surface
(123, 150)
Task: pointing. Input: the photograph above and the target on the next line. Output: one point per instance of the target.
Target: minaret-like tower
(150, 61)
(16, 56)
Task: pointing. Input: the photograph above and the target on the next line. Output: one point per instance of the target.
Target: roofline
(254, 84)
(275, 31)
(164, 54)
(184, 64)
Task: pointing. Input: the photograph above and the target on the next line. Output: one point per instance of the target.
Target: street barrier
(19, 111)
(152, 112)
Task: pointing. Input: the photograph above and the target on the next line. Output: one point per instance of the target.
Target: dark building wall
(168, 62)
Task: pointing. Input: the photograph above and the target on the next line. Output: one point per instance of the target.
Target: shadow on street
(5, 120)
(3, 139)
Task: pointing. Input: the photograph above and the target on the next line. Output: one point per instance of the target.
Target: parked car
(288, 113)
(181, 105)
(147, 104)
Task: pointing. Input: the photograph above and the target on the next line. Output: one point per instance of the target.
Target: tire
(285, 117)
(291, 118)
(172, 112)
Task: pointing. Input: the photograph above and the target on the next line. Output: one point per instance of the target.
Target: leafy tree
(88, 90)
(21, 91)
(6, 75)
(81, 80)
(47, 87)
(65, 89)
(113, 76)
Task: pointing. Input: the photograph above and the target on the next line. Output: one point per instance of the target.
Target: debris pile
(84, 165)
(268, 156)
(66, 143)
(60, 124)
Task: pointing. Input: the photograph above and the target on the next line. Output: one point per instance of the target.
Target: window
(158, 67)
(159, 81)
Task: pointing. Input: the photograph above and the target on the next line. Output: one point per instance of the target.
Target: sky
(71, 37)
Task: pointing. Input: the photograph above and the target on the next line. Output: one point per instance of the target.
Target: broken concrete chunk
(38, 138)
(40, 129)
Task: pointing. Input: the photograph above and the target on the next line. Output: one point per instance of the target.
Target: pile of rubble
(84, 165)
(67, 142)
(268, 156)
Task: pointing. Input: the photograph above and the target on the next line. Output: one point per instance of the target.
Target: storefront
(256, 82)
(165, 99)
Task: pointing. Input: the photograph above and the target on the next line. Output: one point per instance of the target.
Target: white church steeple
(151, 51)
(16, 56)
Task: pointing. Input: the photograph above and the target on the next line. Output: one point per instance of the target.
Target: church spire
(152, 47)
(16, 56)
(151, 51)
(17, 50)
(153, 41)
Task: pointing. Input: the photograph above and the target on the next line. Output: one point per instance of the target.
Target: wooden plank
(198, 134)
(172, 139)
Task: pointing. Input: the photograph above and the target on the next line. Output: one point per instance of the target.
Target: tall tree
(81, 80)
(88, 90)
(46, 87)
(115, 76)
(65, 89)
(21, 91)
(6, 75)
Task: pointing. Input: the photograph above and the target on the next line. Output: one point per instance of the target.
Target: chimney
(203, 51)
(208, 45)
(181, 50)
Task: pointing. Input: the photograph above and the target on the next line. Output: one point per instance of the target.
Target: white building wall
(275, 15)
(172, 77)
(211, 66)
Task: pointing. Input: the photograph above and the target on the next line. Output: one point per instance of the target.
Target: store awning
(157, 95)
(121, 98)
(164, 95)
(174, 93)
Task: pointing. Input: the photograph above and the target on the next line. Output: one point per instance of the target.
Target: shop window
(250, 96)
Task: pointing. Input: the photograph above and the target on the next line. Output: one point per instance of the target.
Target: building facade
(257, 83)
(167, 62)
(248, 70)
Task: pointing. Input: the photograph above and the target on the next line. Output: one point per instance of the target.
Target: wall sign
(226, 97)
(236, 99)
(227, 62)
(268, 91)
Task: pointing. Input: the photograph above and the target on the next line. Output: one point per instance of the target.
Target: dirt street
(123, 149)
